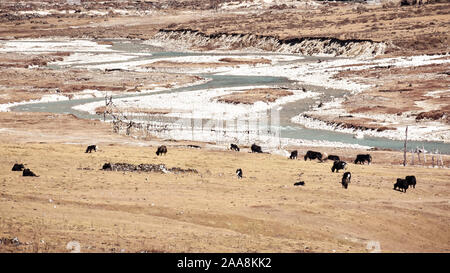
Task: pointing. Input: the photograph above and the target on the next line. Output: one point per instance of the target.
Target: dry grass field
(213, 211)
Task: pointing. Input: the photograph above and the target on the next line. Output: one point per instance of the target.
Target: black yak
(338, 165)
(91, 148)
(18, 167)
(294, 155)
(401, 184)
(239, 173)
(234, 147)
(363, 158)
(334, 157)
(411, 180)
(346, 179)
(28, 172)
(256, 149)
(161, 150)
(313, 155)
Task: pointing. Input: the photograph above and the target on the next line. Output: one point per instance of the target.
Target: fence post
(404, 147)
(424, 156)
(418, 154)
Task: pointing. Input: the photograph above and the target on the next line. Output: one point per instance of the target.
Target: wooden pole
(404, 147)
(424, 157)
(418, 154)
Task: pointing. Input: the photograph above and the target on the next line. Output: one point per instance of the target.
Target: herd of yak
(401, 184)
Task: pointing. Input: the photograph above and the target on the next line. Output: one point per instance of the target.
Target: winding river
(287, 128)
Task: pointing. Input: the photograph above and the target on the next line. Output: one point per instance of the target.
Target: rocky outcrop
(189, 38)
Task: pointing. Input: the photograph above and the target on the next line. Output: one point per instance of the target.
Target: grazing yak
(294, 155)
(18, 167)
(234, 147)
(363, 158)
(161, 150)
(411, 180)
(91, 148)
(401, 184)
(338, 165)
(334, 157)
(256, 149)
(239, 173)
(28, 172)
(300, 183)
(346, 179)
(313, 155)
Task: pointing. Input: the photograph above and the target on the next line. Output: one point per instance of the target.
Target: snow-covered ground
(52, 45)
(425, 131)
(264, 4)
(87, 94)
(100, 12)
(200, 103)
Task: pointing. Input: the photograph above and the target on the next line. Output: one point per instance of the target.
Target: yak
(361, 158)
(294, 155)
(234, 147)
(18, 167)
(346, 179)
(256, 149)
(313, 155)
(161, 150)
(338, 165)
(401, 184)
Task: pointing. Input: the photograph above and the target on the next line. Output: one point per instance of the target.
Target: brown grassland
(212, 211)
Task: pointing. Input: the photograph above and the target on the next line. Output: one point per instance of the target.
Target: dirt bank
(193, 39)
